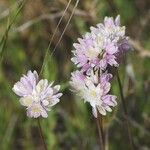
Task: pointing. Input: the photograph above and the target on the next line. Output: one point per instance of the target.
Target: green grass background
(25, 34)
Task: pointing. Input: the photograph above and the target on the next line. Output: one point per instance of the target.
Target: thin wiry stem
(59, 23)
(125, 113)
(65, 27)
(76, 4)
(101, 123)
(47, 50)
(107, 139)
(41, 134)
(100, 131)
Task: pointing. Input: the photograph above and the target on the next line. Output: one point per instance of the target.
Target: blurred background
(25, 32)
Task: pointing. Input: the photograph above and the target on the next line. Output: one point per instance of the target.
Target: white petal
(53, 101)
(42, 85)
(117, 20)
(94, 110)
(45, 102)
(26, 101)
(44, 114)
(57, 87)
(36, 110)
(101, 110)
(108, 108)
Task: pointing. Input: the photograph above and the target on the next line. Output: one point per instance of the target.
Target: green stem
(100, 130)
(125, 113)
(41, 134)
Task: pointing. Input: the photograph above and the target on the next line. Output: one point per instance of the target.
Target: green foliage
(70, 124)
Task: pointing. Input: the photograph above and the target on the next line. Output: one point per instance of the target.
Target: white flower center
(35, 96)
(91, 53)
(100, 41)
(93, 93)
(36, 109)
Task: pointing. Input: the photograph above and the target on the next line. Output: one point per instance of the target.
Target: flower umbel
(98, 50)
(37, 96)
(94, 89)
(101, 46)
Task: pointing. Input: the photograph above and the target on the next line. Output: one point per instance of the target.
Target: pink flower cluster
(93, 53)
(94, 89)
(37, 96)
(101, 46)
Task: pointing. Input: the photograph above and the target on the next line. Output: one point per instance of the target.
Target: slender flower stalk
(102, 127)
(41, 134)
(100, 131)
(125, 112)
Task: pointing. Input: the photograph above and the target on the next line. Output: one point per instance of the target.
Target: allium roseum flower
(86, 53)
(101, 46)
(97, 50)
(94, 89)
(37, 96)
